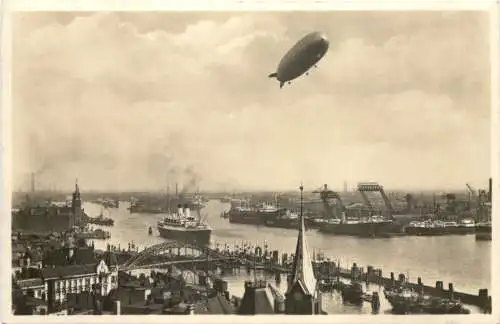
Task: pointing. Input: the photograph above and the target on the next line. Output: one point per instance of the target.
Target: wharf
(329, 270)
(230, 260)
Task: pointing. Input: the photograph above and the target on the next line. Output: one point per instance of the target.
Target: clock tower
(302, 296)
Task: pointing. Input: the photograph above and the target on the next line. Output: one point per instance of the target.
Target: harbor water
(460, 260)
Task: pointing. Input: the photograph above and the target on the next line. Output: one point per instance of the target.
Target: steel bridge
(170, 253)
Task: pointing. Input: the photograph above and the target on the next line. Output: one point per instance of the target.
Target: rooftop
(69, 271)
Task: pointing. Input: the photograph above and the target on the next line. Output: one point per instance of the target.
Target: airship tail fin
(281, 84)
(273, 75)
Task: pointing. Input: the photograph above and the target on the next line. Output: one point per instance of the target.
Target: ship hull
(282, 223)
(437, 231)
(425, 231)
(251, 218)
(375, 229)
(139, 210)
(460, 230)
(483, 234)
(200, 237)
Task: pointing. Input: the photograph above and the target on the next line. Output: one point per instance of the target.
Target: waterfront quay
(227, 261)
(175, 260)
(118, 275)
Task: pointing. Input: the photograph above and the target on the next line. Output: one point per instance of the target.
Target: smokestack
(490, 191)
(179, 209)
(187, 211)
(32, 181)
(176, 189)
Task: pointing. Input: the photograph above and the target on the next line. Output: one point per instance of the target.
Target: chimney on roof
(255, 291)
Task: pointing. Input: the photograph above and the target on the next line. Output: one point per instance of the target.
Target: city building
(69, 270)
(45, 217)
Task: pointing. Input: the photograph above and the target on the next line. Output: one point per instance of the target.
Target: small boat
(101, 220)
(150, 231)
(407, 301)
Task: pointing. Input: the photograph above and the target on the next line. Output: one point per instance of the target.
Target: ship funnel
(179, 209)
(187, 211)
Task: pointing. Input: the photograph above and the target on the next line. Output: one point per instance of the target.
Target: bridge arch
(172, 250)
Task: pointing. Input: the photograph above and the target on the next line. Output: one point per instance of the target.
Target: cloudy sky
(127, 100)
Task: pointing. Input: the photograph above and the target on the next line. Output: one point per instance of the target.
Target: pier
(279, 263)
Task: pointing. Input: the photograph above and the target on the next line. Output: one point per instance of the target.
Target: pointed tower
(302, 297)
(76, 205)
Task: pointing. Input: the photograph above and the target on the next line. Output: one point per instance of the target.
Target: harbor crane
(471, 190)
(473, 197)
(375, 187)
(326, 194)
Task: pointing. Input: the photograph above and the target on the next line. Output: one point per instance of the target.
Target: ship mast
(277, 204)
(168, 199)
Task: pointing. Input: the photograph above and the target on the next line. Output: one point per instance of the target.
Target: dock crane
(375, 187)
(473, 197)
(326, 194)
(471, 190)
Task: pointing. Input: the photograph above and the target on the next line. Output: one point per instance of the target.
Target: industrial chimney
(187, 211)
(32, 181)
(490, 192)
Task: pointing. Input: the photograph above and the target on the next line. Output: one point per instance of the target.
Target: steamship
(185, 228)
(374, 226)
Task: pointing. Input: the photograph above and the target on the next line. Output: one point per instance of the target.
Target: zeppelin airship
(301, 57)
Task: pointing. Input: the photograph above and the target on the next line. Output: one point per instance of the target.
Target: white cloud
(116, 104)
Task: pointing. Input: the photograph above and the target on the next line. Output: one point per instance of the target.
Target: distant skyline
(131, 101)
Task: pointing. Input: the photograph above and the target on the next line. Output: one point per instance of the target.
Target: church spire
(302, 271)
